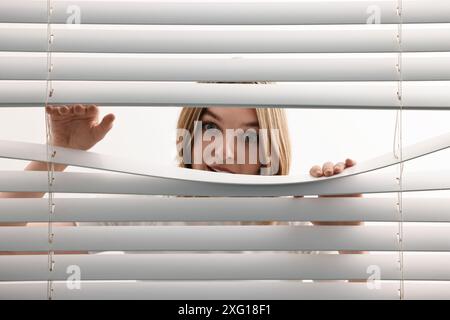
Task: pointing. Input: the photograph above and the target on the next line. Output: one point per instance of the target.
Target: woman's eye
(209, 126)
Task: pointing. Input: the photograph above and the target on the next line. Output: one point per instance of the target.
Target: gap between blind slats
(417, 95)
(225, 290)
(92, 160)
(228, 266)
(416, 66)
(104, 183)
(226, 238)
(226, 12)
(225, 39)
(225, 209)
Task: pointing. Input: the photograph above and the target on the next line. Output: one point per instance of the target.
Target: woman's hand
(78, 126)
(329, 168)
(75, 127)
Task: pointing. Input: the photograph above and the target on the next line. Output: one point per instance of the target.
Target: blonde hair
(268, 118)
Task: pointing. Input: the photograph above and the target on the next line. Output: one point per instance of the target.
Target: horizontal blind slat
(226, 12)
(226, 290)
(225, 39)
(93, 160)
(226, 238)
(416, 66)
(225, 209)
(227, 266)
(71, 182)
(417, 95)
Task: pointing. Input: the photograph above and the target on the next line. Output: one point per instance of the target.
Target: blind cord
(398, 146)
(51, 153)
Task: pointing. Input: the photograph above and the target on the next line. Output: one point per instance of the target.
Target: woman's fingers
(104, 126)
(63, 110)
(92, 110)
(56, 110)
(349, 163)
(79, 110)
(49, 110)
(316, 171)
(328, 169)
(339, 167)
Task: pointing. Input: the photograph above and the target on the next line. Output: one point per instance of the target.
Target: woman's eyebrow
(251, 124)
(212, 114)
(219, 118)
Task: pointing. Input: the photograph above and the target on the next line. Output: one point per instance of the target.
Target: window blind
(234, 12)
(338, 54)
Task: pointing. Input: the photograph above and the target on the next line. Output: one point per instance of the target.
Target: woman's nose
(226, 148)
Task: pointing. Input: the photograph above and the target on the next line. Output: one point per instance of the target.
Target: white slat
(417, 95)
(71, 182)
(225, 39)
(226, 238)
(79, 158)
(416, 66)
(226, 290)
(227, 266)
(225, 209)
(225, 12)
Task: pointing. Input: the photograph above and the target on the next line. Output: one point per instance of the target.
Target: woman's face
(221, 120)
